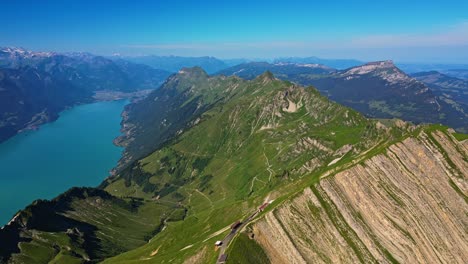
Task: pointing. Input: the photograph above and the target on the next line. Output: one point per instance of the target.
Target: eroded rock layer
(406, 205)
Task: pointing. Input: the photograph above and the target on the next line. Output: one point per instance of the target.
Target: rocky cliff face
(406, 205)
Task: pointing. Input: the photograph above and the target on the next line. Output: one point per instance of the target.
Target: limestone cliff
(406, 205)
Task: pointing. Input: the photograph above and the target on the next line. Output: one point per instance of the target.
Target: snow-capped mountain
(21, 52)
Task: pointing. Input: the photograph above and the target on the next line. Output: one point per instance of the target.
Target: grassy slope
(460, 136)
(219, 168)
(93, 226)
(246, 250)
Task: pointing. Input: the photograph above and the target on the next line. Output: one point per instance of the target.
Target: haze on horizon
(404, 31)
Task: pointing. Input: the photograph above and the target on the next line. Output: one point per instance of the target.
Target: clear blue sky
(429, 31)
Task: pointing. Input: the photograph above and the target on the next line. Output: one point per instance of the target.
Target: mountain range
(449, 69)
(445, 85)
(275, 171)
(175, 63)
(334, 63)
(212, 64)
(37, 86)
(457, 73)
(377, 89)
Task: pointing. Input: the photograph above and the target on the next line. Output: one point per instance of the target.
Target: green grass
(244, 250)
(460, 136)
(106, 226)
(64, 258)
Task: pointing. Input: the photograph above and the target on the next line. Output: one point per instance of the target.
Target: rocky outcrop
(406, 205)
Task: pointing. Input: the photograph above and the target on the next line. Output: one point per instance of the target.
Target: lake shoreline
(44, 117)
(60, 155)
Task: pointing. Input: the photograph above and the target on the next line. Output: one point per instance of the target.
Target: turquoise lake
(75, 150)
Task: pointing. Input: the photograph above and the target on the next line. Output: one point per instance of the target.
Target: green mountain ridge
(222, 147)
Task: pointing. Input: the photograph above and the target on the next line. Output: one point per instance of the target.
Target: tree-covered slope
(29, 97)
(167, 111)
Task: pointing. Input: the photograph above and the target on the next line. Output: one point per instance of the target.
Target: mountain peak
(266, 76)
(382, 64)
(193, 71)
(371, 66)
(21, 52)
(382, 69)
(305, 65)
(13, 49)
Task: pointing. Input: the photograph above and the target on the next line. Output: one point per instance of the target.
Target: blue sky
(406, 31)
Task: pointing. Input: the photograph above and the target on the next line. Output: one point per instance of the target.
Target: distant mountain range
(334, 63)
(377, 89)
(36, 86)
(457, 73)
(454, 70)
(175, 63)
(439, 80)
(86, 70)
(212, 64)
(288, 71)
(451, 89)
